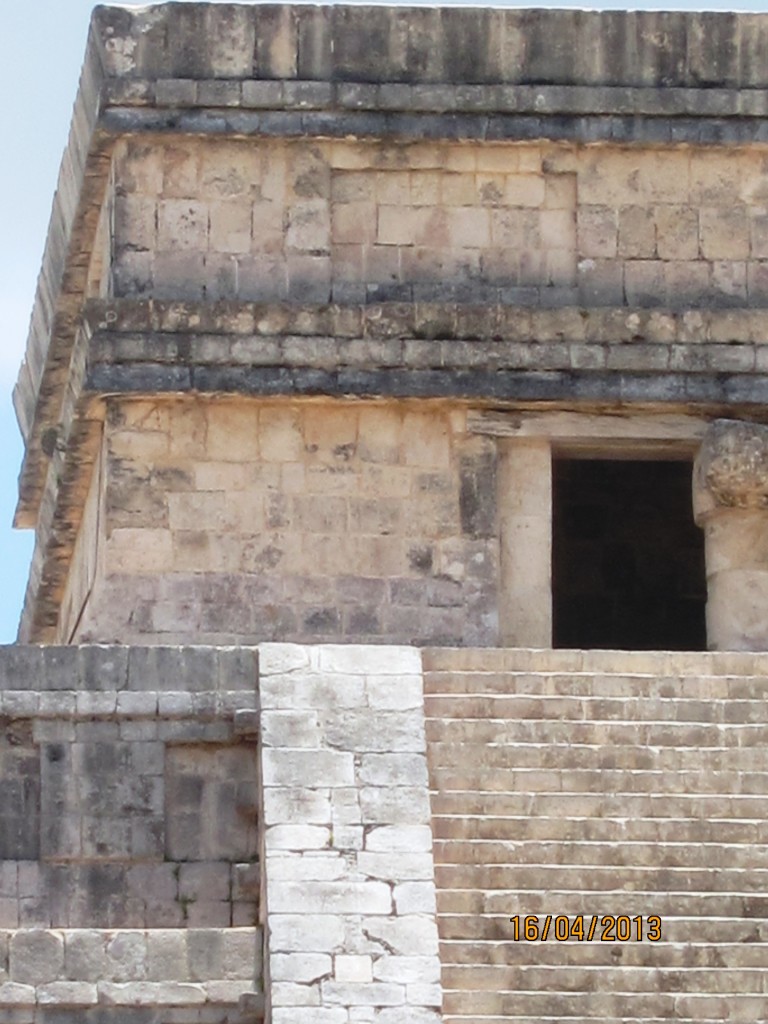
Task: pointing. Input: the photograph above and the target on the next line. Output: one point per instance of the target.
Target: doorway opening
(627, 559)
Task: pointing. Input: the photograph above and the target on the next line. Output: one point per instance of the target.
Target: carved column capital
(731, 469)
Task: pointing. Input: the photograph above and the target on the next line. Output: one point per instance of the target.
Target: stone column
(525, 534)
(730, 503)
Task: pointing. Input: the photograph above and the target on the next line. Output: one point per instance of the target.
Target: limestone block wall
(125, 976)
(350, 890)
(129, 849)
(318, 221)
(548, 224)
(247, 520)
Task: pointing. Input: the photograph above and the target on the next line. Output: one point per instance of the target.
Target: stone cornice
(187, 94)
(431, 321)
(708, 358)
(450, 126)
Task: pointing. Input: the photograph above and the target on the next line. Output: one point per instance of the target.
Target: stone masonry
(330, 296)
(281, 285)
(350, 885)
(130, 855)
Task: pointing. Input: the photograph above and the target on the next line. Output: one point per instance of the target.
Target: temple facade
(395, 412)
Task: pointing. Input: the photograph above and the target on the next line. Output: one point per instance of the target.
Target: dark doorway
(627, 558)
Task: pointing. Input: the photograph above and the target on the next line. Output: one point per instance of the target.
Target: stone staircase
(597, 783)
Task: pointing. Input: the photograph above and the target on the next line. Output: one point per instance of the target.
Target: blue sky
(41, 49)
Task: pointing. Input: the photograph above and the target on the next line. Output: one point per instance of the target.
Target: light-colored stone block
(340, 897)
(286, 993)
(396, 805)
(407, 769)
(415, 898)
(309, 1015)
(36, 957)
(13, 994)
(305, 968)
(315, 865)
(371, 993)
(399, 839)
(145, 993)
(357, 969)
(296, 837)
(305, 932)
(370, 660)
(525, 604)
(312, 806)
(419, 994)
(279, 659)
(397, 865)
(228, 991)
(299, 767)
(67, 993)
(408, 969)
(412, 935)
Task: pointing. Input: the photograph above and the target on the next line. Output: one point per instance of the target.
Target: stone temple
(396, 422)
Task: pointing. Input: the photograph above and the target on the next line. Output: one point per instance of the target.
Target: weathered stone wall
(129, 852)
(528, 224)
(128, 795)
(163, 976)
(248, 520)
(523, 208)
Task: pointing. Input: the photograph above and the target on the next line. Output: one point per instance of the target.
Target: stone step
(618, 853)
(559, 898)
(606, 1006)
(550, 780)
(579, 1019)
(595, 756)
(660, 734)
(601, 878)
(687, 809)
(716, 926)
(714, 954)
(714, 745)
(498, 978)
(597, 685)
(595, 830)
(480, 660)
(512, 707)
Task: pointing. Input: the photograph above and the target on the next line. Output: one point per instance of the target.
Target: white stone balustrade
(350, 890)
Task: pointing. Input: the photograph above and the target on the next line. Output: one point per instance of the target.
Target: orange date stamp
(597, 928)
